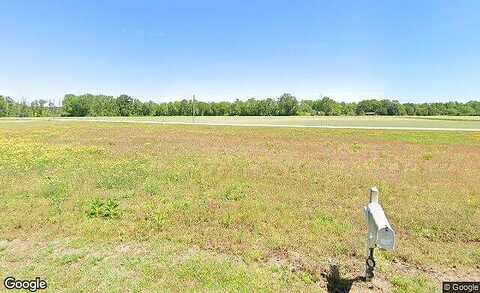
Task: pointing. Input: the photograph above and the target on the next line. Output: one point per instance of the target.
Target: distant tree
(3, 106)
(348, 109)
(368, 106)
(475, 105)
(328, 107)
(421, 110)
(161, 109)
(410, 109)
(220, 108)
(251, 107)
(394, 108)
(287, 105)
(124, 105)
(101, 105)
(269, 107)
(305, 108)
(75, 106)
(235, 108)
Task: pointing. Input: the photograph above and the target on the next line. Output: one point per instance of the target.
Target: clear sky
(220, 50)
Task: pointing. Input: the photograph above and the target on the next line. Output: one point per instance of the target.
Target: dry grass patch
(260, 208)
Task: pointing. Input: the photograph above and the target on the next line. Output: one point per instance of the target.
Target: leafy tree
(3, 107)
(368, 106)
(101, 105)
(125, 105)
(348, 109)
(75, 106)
(287, 105)
(305, 109)
(329, 107)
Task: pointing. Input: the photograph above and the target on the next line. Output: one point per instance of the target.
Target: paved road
(24, 120)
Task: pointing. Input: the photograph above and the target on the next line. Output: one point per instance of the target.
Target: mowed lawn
(131, 207)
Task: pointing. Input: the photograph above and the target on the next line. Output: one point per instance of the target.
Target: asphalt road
(26, 120)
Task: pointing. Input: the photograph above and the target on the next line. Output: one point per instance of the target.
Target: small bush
(236, 191)
(427, 157)
(159, 220)
(107, 209)
(56, 192)
(356, 147)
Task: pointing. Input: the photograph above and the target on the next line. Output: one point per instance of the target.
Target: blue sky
(222, 50)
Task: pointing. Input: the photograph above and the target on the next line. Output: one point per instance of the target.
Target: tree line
(37, 108)
(285, 105)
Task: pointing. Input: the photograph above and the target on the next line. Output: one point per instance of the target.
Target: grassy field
(137, 207)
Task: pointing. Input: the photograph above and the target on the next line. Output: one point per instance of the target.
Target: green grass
(403, 284)
(194, 208)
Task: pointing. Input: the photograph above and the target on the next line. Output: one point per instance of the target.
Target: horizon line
(216, 99)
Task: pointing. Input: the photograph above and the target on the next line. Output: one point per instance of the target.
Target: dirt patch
(338, 284)
(348, 277)
(21, 247)
(329, 276)
(293, 262)
(452, 274)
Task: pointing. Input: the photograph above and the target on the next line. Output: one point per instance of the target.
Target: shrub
(107, 209)
(427, 157)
